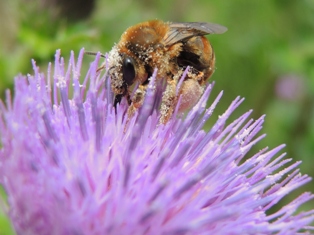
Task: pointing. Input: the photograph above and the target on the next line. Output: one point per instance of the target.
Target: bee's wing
(183, 31)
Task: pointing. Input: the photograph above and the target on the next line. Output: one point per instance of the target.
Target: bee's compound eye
(128, 70)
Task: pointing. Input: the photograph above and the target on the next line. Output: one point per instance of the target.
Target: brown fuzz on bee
(170, 47)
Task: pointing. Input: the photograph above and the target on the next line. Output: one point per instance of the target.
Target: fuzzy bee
(170, 47)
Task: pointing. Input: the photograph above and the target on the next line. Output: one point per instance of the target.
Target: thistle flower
(70, 165)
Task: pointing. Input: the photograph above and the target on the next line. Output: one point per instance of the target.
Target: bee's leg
(118, 97)
(190, 92)
(168, 102)
(137, 100)
(117, 100)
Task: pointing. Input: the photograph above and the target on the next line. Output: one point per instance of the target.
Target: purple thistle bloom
(70, 165)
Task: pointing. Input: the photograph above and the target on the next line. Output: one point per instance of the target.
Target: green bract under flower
(70, 165)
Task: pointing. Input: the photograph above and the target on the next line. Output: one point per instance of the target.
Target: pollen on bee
(114, 58)
(190, 93)
(169, 47)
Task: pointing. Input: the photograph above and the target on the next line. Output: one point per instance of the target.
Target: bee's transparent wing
(183, 31)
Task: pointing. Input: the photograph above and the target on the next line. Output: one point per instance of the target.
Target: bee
(170, 47)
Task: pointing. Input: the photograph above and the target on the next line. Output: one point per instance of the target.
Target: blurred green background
(266, 56)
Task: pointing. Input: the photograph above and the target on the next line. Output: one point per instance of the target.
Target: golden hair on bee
(170, 47)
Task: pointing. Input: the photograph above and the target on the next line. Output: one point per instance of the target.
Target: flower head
(73, 164)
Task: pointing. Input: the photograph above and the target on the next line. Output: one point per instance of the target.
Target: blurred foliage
(268, 41)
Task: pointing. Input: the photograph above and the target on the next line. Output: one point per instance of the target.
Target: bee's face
(122, 71)
(169, 47)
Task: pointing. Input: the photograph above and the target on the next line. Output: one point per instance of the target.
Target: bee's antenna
(94, 53)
